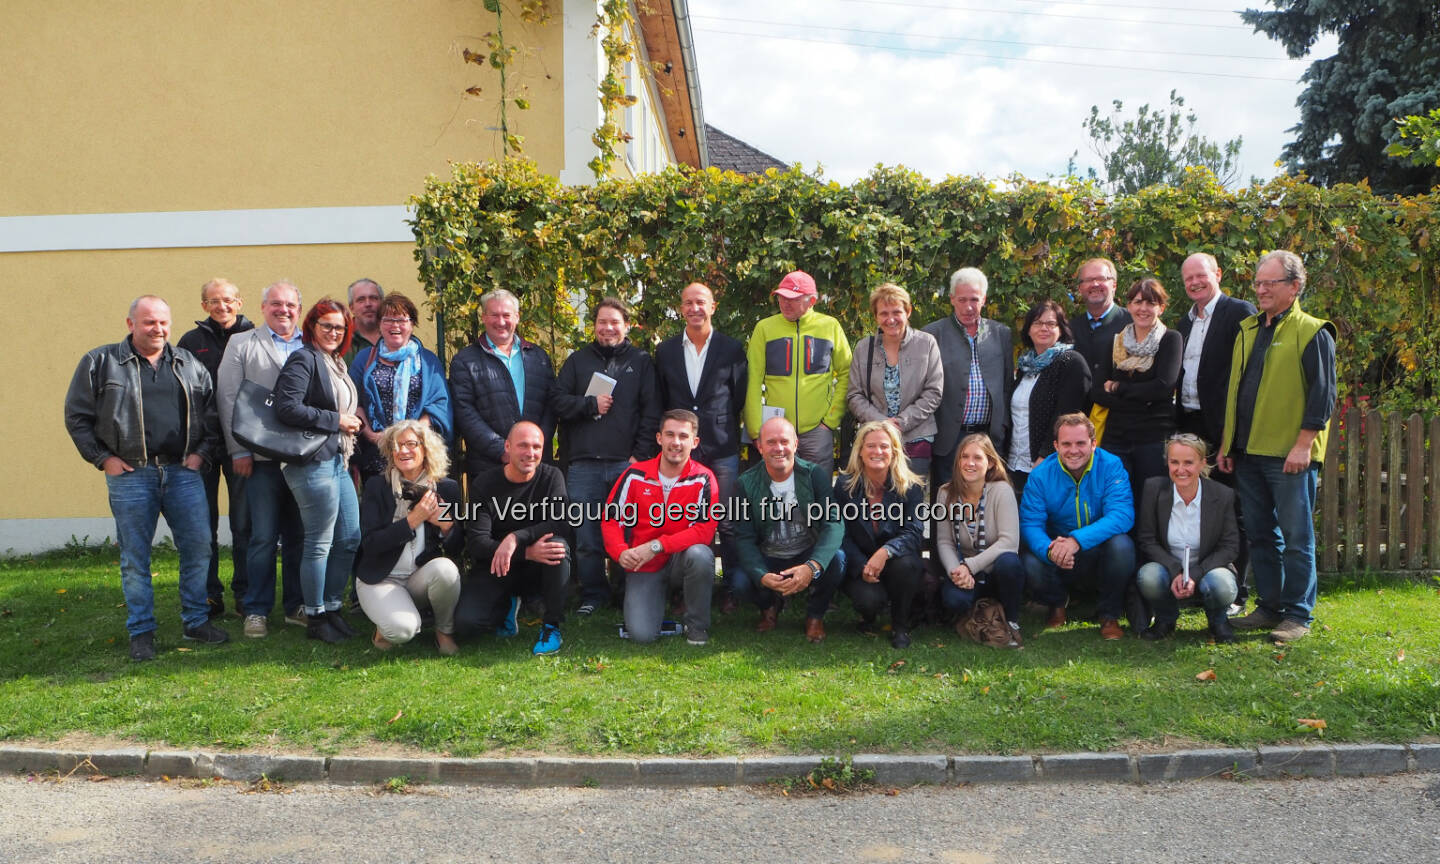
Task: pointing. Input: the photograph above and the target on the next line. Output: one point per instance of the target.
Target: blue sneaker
(509, 627)
(548, 642)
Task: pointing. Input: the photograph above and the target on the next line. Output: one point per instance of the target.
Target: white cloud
(978, 107)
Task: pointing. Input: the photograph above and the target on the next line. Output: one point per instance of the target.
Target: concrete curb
(1316, 760)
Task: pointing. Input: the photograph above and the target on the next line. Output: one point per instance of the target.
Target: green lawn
(1371, 671)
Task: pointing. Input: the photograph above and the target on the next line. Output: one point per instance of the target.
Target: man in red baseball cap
(799, 369)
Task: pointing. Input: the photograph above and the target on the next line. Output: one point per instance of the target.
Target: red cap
(796, 284)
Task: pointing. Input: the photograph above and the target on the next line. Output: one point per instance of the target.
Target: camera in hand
(413, 492)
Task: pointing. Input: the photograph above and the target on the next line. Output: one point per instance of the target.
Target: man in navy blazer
(1209, 329)
(1095, 326)
(704, 371)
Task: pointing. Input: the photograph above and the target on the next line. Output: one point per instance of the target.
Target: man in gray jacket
(979, 361)
(258, 356)
(144, 413)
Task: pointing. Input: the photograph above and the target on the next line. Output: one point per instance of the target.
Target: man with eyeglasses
(221, 301)
(1095, 327)
(1277, 419)
(258, 356)
(364, 296)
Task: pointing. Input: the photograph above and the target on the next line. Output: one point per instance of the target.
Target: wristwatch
(656, 547)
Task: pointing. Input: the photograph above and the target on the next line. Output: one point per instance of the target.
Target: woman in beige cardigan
(896, 375)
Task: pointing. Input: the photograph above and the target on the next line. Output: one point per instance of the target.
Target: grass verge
(1370, 671)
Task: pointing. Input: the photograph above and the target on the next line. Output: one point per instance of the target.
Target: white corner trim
(203, 228)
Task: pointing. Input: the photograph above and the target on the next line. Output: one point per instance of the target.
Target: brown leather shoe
(445, 644)
(1057, 617)
(815, 630)
(1111, 630)
(728, 603)
(767, 620)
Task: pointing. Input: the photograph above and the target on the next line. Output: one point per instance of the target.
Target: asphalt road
(1391, 819)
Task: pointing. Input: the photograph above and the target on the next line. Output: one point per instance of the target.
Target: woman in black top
(1051, 378)
(1137, 382)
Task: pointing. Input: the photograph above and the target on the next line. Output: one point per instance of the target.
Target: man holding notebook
(608, 406)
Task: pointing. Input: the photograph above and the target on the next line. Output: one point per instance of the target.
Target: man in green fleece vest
(1277, 419)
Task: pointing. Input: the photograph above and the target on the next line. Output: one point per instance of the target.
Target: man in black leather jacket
(144, 413)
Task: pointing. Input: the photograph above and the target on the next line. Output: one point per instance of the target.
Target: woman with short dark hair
(1051, 379)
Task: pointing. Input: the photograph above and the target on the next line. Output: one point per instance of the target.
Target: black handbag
(256, 426)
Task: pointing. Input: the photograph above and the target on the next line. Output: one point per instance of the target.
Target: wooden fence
(1375, 513)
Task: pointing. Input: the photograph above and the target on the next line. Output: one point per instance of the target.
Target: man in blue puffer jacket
(1074, 516)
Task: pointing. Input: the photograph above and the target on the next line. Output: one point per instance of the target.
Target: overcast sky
(982, 87)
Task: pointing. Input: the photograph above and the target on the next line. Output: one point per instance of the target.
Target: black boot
(1220, 626)
(1163, 628)
(340, 624)
(319, 627)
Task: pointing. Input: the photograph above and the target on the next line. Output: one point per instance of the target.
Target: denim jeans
(727, 474)
(822, 590)
(331, 515)
(273, 516)
(239, 532)
(137, 500)
(1215, 590)
(1107, 567)
(1279, 511)
(1005, 581)
(588, 481)
(645, 593)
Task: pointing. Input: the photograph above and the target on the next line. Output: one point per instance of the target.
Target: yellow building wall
(201, 105)
(84, 297)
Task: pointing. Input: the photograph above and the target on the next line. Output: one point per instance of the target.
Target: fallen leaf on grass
(183, 650)
(1207, 675)
(59, 590)
(767, 711)
(1278, 657)
(97, 778)
(1400, 655)
(896, 665)
(892, 792)
(1313, 723)
(828, 783)
(398, 715)
(985, 689)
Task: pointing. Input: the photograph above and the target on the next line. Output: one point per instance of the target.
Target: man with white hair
(978, 357)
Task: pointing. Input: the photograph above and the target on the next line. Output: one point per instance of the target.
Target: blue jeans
(239, 532)
(1279, 511)
(1005, 581)
(273, 516)
(822, 590)
(727, 473)
(331, 515)
(1107, 567)
(1215, 590)
(137, 499)
(588, 481)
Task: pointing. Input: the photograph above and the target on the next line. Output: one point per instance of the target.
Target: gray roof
(731, 154)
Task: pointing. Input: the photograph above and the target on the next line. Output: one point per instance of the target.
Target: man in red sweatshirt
(659, 522)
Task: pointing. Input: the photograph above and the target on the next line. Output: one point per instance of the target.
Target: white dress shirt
(1185, 529)
(1189, 383)
(695, 360)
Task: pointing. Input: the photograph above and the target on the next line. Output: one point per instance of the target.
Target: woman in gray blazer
(896, 375)
(1187, 517)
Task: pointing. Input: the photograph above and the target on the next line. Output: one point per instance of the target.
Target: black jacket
(721, 399)
(383, 537)
(104, 415)
(1063, 387)
(1219, 532)
(1094, 345)
(483, 400)
(628, 429)
(1142, 408)
(1213, 379)
(207, 342)
(305, 399)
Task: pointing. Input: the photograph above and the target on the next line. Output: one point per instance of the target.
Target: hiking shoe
(696, 636)
(256, 627)
(548, 642)
(142, 647)
(587, 608)
(297, 617)
(207, 633)
(1110, 630)
(1056, 618)
(1259, 619)
(1288, 631)
(508, 625)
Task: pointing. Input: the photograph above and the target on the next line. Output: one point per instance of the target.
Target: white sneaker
(297, 617)
(256, 627)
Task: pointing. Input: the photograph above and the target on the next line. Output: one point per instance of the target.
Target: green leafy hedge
(504, 224)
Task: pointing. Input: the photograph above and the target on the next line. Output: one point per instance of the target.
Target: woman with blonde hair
(409, 541)
(977, 534)
(880, 499)
(896, 376)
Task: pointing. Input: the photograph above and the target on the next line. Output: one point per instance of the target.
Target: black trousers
(484, 597)
(899, 583)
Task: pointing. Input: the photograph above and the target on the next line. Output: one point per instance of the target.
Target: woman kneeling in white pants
(408, 542)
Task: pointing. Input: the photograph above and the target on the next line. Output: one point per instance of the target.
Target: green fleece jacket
(812, 486)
